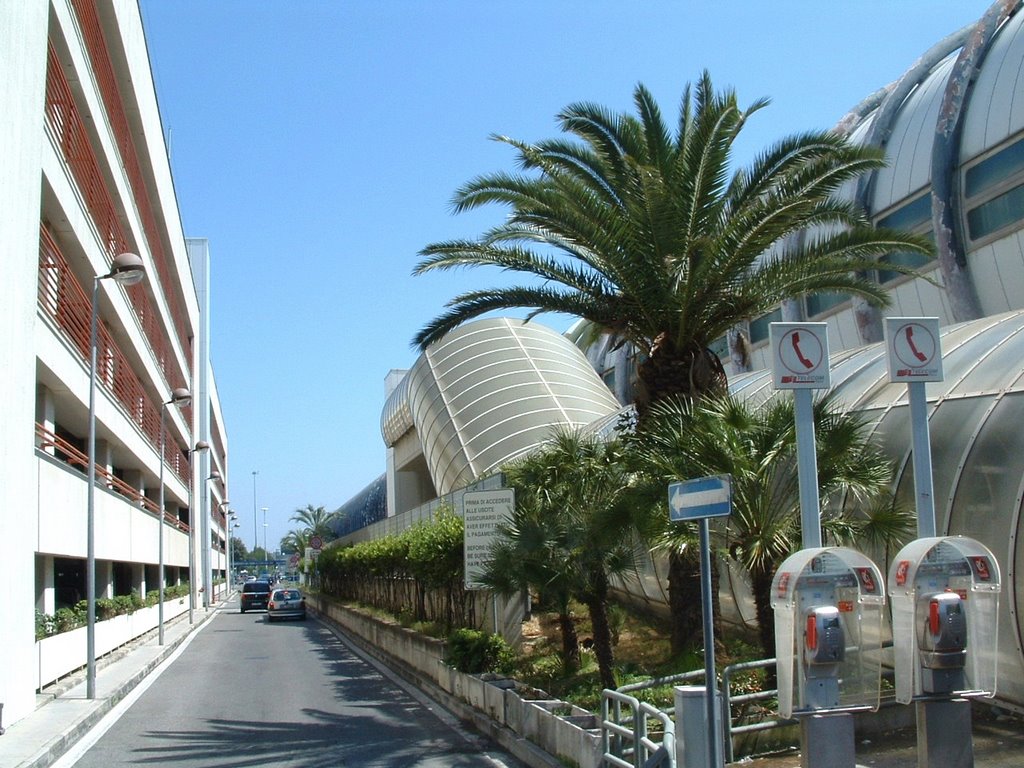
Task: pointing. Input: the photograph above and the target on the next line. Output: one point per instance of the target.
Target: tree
(757, 446)
(526, 556)
(295, 541)
(651, 235)
(315, 521)
(580, 531)
(239, 551)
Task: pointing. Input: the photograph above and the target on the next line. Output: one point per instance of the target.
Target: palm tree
(295, 541)
(526, 556)
(649, 234)
(315, 521)
(575, 489)
(757, 447)
(644, 233)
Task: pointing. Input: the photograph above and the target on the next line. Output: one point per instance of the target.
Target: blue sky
(317, 146)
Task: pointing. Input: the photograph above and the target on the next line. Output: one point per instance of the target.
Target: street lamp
(126, 269)
(205, 555)
(266, 555)
(229, 525)
(209, 563)
(200, 446)
(179, 396)
(255, 534)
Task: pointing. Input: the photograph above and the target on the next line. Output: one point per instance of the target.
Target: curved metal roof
(489, 391)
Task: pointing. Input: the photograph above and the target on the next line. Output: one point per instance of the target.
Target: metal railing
(65, 451)
(67, 130)
(616, 737)
(62, 299)
(626, 736)
(106, 82)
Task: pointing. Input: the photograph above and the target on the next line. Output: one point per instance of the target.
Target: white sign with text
(482, 513)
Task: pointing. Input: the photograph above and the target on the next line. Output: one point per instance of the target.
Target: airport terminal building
(86, 179)
(952, 129)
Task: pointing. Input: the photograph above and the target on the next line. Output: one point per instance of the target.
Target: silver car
(286, 604)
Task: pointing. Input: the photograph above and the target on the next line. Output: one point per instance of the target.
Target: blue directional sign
(700, 498)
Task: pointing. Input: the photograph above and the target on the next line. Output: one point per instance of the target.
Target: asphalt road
(245, 692)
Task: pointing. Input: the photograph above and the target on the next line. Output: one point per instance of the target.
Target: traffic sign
(912, 349)
(315, 542)
(799, 355)
(700, 498)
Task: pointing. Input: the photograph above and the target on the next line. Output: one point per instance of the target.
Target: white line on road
(86, 743)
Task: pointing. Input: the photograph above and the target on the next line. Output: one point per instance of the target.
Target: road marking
(86, 743)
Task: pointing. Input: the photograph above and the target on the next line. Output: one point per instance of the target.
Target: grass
(642, 651)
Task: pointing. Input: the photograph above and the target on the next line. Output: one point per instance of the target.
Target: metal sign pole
(922, 459)
(807, 469)
(698, 500)
(710, 677)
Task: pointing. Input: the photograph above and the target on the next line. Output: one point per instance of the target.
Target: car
(255, 594)
(286, 603)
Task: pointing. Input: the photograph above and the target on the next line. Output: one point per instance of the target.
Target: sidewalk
(64, 714)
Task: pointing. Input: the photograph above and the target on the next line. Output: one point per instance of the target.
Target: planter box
(574, 737)
(61, 654)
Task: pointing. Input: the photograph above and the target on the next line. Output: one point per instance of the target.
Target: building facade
(86, 178)
(952, 130)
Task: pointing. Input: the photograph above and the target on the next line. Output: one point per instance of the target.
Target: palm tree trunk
(684, 597)
(598, 609)
(761, 586)
(570, 642)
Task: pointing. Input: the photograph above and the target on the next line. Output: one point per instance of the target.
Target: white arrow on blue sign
(700, 498)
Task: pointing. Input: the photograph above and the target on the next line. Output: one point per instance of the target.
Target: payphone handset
(945, 600)
(828, 631)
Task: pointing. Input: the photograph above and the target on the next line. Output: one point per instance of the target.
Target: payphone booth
(945, 600)
(828, 604)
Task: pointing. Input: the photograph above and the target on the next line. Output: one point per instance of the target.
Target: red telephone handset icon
(800, 355)
(913, 348)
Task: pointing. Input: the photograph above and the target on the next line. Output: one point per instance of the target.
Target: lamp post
(266, 555)
(229, 526)
(221, 507)
(255, 534)
(200, 446)
(179, 396)
(204, 555)
(126, 269)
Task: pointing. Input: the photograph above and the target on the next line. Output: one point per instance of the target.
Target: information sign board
(482, 513)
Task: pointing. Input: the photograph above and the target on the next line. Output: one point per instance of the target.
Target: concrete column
(45, 413)
(104, 578)
(23, 51)
(46, 594)
(139, 578)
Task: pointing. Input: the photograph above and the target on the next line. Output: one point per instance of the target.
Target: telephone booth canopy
(828, 631)
(945, 599)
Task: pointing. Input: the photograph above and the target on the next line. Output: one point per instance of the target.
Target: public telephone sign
(799, 355)
(912, 349)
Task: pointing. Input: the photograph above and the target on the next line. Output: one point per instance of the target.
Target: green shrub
(473, 651)
(46, 625)
(67, 619)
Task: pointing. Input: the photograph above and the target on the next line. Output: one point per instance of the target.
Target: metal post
(807, 469)
(90, 490)
(191, 547)
(160, 523)
(922, 459)
(255, 521)
(710, 678)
